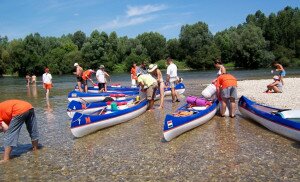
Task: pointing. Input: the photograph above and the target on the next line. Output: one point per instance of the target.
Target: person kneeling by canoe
(13, 114)
(149, 85)
(276, 86)
(226, 88)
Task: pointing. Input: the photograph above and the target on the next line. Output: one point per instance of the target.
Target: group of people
(14, 113)
(83, 77)
(151, 79)
(30, 79)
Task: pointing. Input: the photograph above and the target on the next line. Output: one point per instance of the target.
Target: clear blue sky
(19, 18)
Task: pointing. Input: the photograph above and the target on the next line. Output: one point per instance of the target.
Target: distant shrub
(163, 65)
(119, 68)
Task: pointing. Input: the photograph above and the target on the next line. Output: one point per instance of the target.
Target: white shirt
(47, 78)
(100, 76)
(172, 72)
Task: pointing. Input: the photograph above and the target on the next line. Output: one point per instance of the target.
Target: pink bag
(196, 101)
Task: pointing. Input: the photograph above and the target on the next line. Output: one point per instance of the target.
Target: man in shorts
(149, 85)
(87, 75)
(101, 77)
(226, 89)
(172, 78)
(13, 114)
(78, 74)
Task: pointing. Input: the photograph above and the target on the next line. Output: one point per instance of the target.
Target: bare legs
(174, 95)
(47, 93)
(274, 88)
(79, 86)
(232, 106)
(162, 94)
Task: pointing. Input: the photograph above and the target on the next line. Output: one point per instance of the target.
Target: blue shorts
(282, 73)
(11, 136)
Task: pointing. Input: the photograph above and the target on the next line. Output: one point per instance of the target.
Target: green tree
(155, 45)
(79, 39)
(197, 43)
(251, 48)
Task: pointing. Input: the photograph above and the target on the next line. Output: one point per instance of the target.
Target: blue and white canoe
(95, 89)
(96, 97)
(83, 124)
(89, 108)
(176, 125)
(281, 121)
(180, 89)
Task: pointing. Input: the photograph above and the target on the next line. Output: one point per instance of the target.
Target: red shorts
(47, 86)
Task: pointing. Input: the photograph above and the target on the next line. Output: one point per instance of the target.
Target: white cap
(276, 77)
(76, 64)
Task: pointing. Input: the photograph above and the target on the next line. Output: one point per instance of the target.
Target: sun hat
(76, 64)
(101, 66)
(276, 77)
(152, 67)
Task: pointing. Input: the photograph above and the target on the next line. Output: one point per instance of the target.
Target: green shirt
(146, 79)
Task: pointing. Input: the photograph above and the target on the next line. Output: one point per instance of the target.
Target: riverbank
(289, 98)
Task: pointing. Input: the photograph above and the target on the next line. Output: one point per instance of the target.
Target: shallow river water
(224, 149)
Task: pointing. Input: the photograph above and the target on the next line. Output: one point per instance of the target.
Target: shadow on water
(21, 149)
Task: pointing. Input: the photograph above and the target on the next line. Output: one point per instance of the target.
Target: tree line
(253, 44)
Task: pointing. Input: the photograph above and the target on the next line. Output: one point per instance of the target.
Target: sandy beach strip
(289, 99)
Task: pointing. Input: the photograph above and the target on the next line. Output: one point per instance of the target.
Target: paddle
(280, 110)
(102, 110)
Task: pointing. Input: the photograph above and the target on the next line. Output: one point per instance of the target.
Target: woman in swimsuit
(156, 73)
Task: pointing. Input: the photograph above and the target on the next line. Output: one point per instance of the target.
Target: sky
(19, 18)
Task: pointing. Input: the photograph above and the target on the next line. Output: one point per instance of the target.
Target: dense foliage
(253, 44)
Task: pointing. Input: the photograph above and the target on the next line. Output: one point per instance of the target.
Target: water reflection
(49, 111)
(34, 91)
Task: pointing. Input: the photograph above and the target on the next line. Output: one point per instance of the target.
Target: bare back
(79, 71)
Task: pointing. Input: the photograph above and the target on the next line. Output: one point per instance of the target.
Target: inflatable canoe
(286, 123)
(187, 118)
(89, 108)
(83, 124)
(96, 97)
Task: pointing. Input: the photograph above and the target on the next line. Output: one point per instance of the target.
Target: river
(224, 149)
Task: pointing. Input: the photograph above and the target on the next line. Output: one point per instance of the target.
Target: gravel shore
(290, 98)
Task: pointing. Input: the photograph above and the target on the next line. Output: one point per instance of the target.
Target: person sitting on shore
(13, 114)
(87, 76)
(275, 87)
(149, 85)
(219, 65)
(226, 89)
(156, 73)
(281, 70)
